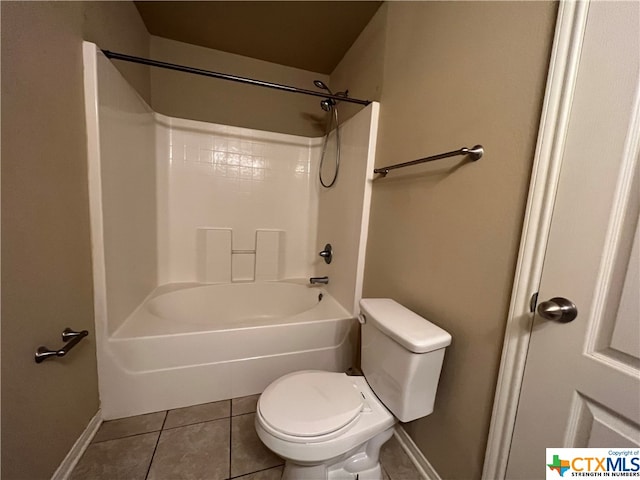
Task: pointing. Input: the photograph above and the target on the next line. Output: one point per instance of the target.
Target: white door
(582, 379)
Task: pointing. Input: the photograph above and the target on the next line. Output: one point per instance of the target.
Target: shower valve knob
(327, 253)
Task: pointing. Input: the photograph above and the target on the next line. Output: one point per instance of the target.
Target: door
(581, 385)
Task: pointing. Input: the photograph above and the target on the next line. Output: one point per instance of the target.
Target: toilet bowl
(326, 420)
(331, 426)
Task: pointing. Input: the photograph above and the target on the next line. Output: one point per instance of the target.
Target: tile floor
(214, 441)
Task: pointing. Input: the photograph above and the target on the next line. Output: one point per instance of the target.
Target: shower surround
(192, 223)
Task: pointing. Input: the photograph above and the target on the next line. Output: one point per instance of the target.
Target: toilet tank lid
(409, 329)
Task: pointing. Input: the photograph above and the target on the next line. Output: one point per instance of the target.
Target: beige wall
(117, 26)
(361, 70)
(443, 238)
(46, 262)
(196, 97)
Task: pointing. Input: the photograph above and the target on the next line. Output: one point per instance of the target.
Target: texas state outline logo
(559, 465)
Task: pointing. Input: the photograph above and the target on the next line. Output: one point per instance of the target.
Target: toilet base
(320, 472)
(361, 463)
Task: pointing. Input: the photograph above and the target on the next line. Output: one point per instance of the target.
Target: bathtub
(188, 344)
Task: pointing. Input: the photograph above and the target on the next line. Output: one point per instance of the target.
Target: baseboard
(68, 464)
(421, 463)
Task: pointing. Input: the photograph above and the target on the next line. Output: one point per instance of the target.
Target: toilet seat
(310, 404)
(372, 420)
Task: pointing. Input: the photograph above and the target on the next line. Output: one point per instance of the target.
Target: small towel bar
(42, 353)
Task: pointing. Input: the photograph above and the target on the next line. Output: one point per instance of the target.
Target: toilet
(331, 426)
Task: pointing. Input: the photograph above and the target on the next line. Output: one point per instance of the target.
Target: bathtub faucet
(314, 280)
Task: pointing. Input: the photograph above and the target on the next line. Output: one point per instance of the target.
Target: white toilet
(329, 425)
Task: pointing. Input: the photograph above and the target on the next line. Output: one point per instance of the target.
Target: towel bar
(42, 353)
(474, 152)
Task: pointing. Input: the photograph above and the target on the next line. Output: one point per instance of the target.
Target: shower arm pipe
(475, 153)
(226, 76)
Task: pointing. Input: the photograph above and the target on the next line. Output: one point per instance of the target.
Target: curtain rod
(226, 76)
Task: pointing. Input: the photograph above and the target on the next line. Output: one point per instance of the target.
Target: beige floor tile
(121, 459)
(194, 452)
(242, 405)
(396, 462)
(248, 454)
(197, 414)
(125, 427)
(269, 474)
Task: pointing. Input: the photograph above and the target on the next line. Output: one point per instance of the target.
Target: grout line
(230, 440)
(201, 405)
(195, 423)
(166, 414)
(243, 414)
(124, 436)
(257, 471)
(240, 414)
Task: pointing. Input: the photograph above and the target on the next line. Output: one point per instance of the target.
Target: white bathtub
(192, 343)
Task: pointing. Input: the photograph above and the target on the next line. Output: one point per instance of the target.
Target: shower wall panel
(217, 176)
(127, 171)
(343, 217)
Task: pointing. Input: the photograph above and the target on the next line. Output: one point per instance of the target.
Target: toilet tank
(401, 357)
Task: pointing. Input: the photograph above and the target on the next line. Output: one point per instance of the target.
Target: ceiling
(309, 35)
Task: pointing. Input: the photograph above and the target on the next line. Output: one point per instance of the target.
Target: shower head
(322, 85)
(327, 103)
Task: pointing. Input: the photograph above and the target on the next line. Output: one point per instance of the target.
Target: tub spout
(314, 280)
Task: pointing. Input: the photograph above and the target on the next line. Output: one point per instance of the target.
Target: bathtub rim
(331, 304)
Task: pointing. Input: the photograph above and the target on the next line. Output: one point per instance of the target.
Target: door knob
(558, 309)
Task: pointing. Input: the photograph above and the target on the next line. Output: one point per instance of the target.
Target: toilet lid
(310, 403)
